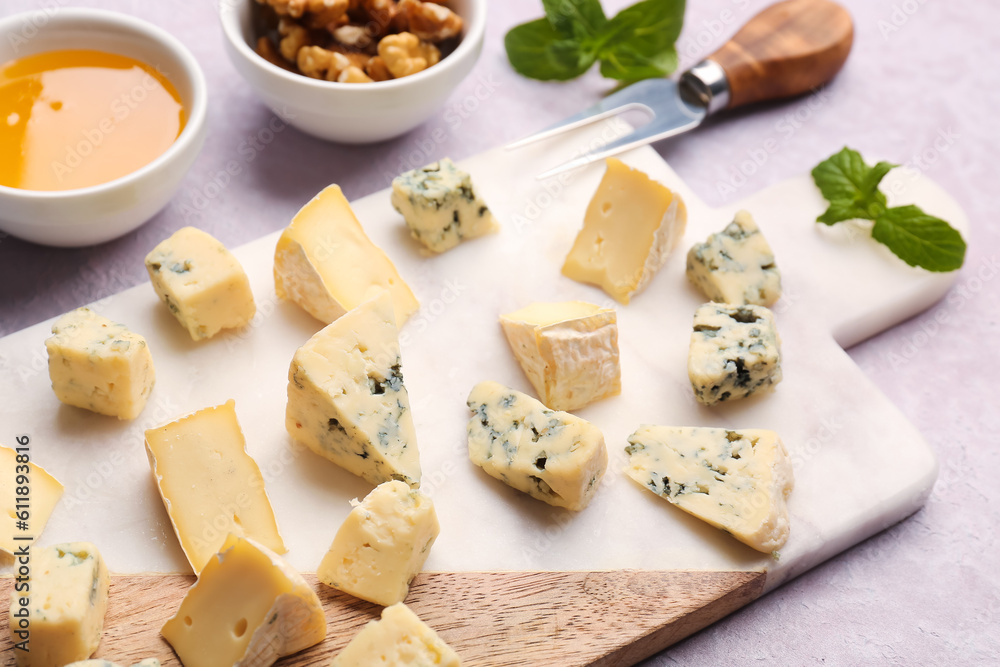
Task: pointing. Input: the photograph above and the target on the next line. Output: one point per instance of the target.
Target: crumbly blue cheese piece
(346, 398)
(99, 365)
(440, 206)
(736, 265)
(398, 639)
(568, 350)
(737, 481)
(735, 352)
(201, 282)
(553, 456)
(63, 608)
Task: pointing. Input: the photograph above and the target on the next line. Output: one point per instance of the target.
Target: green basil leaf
(626, 63)
(537, 51)
(575, 19)
(920, 239)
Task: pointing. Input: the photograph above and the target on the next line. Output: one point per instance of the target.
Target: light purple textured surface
(920, 88)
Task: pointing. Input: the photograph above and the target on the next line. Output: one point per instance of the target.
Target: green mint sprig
(637, 43)
(919, 239)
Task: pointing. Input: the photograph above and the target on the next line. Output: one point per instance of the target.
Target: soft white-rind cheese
(736, 480)
(553, 456)
(382, 544)
(398, 639)
(631, 225)
(440, 206)
(33, 508)
(248, 609)
(201, 282)
(569, 351)
(735, 352)
(736, 265)
(62, 611)
(99, 365)
(346, 398)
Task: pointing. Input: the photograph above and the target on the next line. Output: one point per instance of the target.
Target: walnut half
(405, 54)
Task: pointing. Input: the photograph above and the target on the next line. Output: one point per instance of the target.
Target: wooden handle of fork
(788, 49)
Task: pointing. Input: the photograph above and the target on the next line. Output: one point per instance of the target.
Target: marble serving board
(859, 465)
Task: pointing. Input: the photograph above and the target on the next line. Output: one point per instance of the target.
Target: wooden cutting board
(513, 579)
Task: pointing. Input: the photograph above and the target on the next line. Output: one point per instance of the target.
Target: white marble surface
(920, 88)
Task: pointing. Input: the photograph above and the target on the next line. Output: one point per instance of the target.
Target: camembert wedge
(31, 504)
(735, 480)
(553, 456)
(210, 485)
(326, 263)
(346, 398)
(631, 225)
(569, 351)
(247, 609)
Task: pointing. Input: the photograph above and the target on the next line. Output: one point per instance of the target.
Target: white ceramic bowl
(353, 113)
(96, 214)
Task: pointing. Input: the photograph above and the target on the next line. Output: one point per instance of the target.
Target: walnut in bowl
(305, 57)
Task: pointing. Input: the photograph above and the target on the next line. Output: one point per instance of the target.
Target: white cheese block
(382, 544)
(569, 351)
(18, 473)
(398, 639)
(736, 265)
(440, 206)
(553, 456)
(209, 484)
(99, 365)
(631, 225)
(326, 263)
(735, 480)
(201, 282)
(735, 352)
(58, 616)
(346, 398)
(247, 609)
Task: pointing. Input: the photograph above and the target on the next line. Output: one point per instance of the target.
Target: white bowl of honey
(101, 116)
(365, 107)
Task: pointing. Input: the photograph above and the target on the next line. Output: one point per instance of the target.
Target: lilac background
(920, 88)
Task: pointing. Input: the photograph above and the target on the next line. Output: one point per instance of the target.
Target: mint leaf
(920, 239)
(537, 51)
(851, 187)
(575, 19)
(638, 43)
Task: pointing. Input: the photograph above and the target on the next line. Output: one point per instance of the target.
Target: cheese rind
(735, 352)
(569, 351)
(326, 263)
(201, 282)
(440, 207)
(382, 544)
(553, 456)
(67, 598)
(736, 265)
(631, 225)
(247, 609)
(398, 639)
(36, 508)
(209, 484)
(346, 398)
(735, 480)
(99, 365)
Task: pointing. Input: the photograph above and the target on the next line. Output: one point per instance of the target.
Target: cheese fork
(788, 49)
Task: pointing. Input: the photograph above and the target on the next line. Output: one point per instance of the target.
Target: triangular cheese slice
(736, 480)
(326, 263)
(346, 399)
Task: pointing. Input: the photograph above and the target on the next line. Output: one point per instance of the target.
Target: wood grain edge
(559, 619)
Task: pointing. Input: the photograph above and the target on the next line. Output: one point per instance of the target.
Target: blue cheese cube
(735, 352)
(440, 207)
(553, 456)
(736, 265)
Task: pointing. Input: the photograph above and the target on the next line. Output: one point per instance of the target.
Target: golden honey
(72, 119)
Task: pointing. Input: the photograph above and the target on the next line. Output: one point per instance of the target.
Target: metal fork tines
(673, 112)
